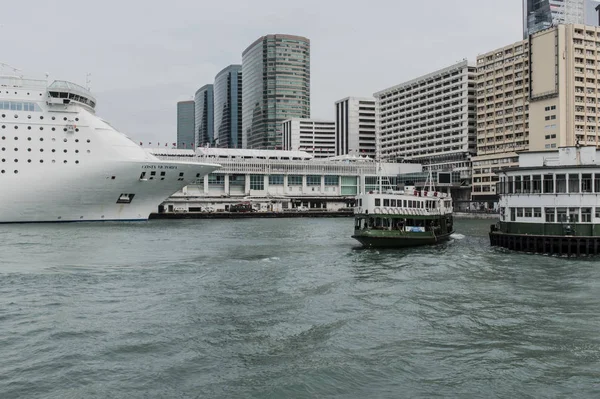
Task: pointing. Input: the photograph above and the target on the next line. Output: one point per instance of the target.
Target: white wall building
(278, 180)
(355, 127)
(431, 120)
(316, 137)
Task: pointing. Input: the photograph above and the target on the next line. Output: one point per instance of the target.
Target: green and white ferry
(406, 218)
(550, 203)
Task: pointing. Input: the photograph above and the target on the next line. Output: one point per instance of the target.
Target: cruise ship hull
(111, 191)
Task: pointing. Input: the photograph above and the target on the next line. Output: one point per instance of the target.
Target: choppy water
(288, 309)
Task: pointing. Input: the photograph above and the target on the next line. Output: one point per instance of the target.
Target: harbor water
(288, 308)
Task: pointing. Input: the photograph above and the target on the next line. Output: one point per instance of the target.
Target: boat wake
(457, 236)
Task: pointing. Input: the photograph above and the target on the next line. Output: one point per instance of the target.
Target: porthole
(41, 117)
(53, 161)
(41, 150)
(16, 171)
(28, 138)
(16, 138)
(65, 161)
(29, 150)
(3, 137)
(64, 129)
(16, 149)
(65, 118)
(16, 127)
(28, 127)
(16, 161)
(53, 150)
(29, 161)
(3, 160)
(41, 128)
(41, 139)
(41, 161)
(3, 148)
(16, 116)
(3, 126)
(76, 119)
(76, 161)
(76, 151)
(77, 129)
(77, 140)
(88, 151)
(28, 116)
(65, 151)
(4, 115)
(53, 129)
(88, 140)
(53, 139)
(65, 140)
(53, 118)
(3, 171)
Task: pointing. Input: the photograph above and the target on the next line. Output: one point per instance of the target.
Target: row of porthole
(41, 128)
(42, 150)
(42, 117)
(42, 161)
(27, 93)
(42, 139)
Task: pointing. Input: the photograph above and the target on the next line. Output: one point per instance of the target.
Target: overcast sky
(144, 56)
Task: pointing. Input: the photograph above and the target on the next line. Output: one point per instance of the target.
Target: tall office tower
(355, 127)
(228, 107)
(204, 125)
(317, 137)
(543, 14)
(431, 120)
(276, 73)
(185, 123)
(542, 96)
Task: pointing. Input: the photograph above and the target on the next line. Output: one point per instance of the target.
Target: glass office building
(204, 126)
(185, 124)
(543, 14)
(276, 74)
(228, 107)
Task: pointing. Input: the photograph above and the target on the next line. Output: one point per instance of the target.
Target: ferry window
(561, 215)
(386, 202)
(512, 214)
(586, 215)
(548, 184)
(393, 203)
(574, 215)
(360, 202)
(377, 202)
(404, 201)
(528, 212)
(597, 182)
(520, 212)
(526, 184)
(598, 213)
(536, 184)
(549, 215)
(573, 182)
(561, 183)
(518, 187)
(510, 186)
(537, 212)
(586, 183)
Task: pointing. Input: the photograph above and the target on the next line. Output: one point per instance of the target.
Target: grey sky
(144, 56)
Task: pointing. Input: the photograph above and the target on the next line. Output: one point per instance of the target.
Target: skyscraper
(228, 107)
(543, 14)
(185, 123)
(355, 127)
(204, 125)
(276, 73)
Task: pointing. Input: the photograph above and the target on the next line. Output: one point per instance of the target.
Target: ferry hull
(404, 241)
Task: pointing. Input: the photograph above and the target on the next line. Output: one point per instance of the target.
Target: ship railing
(405, 211)
(17, 81)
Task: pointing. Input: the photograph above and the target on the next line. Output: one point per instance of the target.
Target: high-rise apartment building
(185, 124)
(355, 127)
(204, 124)
(317, 137)
(228, 107)
(539, 94)
(543, 14)
(431, 120)
(276, 74)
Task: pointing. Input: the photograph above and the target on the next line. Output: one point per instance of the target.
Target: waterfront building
(539, 15)
(549, 204)
(538, 94)
(204, 133)
(316, 137)
(432, 120)
(185, 123)
(227, 91)
(276, 73)
(355, 127)
(280, 180)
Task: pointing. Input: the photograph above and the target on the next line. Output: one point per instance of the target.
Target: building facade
(204, 125)
(542, 96)
(316, 137)
(276, 73)
(228, 107)
(355, 127)
(185, 123)
(543, 14)
(431, 120)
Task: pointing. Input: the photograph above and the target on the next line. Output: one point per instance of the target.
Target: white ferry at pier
(59, 162)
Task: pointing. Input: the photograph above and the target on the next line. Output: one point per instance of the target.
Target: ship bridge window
(20, 106)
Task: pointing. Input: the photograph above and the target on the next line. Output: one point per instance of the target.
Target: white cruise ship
(59, 162)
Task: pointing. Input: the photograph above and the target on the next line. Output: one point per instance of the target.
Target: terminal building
(275, 180)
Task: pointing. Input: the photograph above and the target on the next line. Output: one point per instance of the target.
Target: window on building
(518, 185)
(294, 180)
(550, 217)
(313, 180)
(528, 212)
(331, 180)
(377, 202)
(257, 182)
(216, 180)
(526, 184)
(573, 182)
(586, 183)
(536, 184)
(276, 180)
(548, 184)
(597, 182)
(520, 212)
